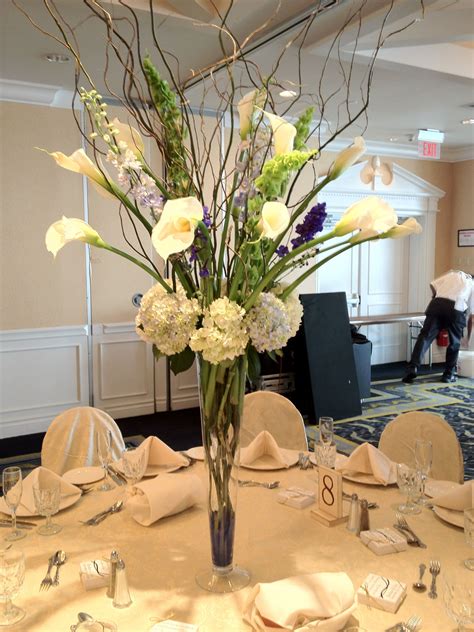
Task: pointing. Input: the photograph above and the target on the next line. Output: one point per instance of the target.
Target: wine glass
(423, 461)
(134, 465)
(12, 490)
(458, 595)
(104, 452)
(47, 497)
(325, 448)
(12, 574)
(408, 480)
(469, 535)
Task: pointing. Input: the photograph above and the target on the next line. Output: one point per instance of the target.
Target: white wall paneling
(43, 372)
(184, 389)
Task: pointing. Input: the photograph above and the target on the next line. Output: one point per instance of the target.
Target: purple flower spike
(206, 218)
(203, 273)
(312, 224)
(282, 251)
(193, 256)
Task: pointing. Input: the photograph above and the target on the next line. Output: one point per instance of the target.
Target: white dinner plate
(154, 470)
(196, 453)
(364, 479)
(266, 463)
(436, 488)
(449, 515)
(23, 512)
(84, 475)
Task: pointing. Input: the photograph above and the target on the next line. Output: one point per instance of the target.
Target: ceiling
(423, 75)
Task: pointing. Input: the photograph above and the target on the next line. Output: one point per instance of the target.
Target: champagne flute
(326, 430)
(408, 479)
(423, 461)
(104, 451)
(47, 497)
(12, 574)
(12, 490)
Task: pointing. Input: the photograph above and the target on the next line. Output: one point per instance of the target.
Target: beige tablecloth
(273, 541)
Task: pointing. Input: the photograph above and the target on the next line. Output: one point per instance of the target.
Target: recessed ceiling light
(393, 139)
(468, 121)
(56, 58)
(288, 93)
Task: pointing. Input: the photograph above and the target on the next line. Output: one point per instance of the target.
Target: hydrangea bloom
(295, 312)
(167, 320)
(223, 335)
(268, 323)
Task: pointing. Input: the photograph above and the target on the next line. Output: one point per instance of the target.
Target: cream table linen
(157, 454)
(262, 447)
(458, 499)
(273, 541)
(367, 459)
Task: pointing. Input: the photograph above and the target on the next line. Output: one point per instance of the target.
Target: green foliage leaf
(254, 367)
(182, 361)
(156, 352)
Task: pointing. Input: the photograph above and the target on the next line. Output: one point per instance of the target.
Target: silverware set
(57, 560)
(403, 526)
(22, 524)
(250, 483)
(102, 515)
(435, 569)
(411, 625)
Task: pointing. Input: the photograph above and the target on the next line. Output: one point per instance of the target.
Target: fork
(412, 624)
(403, 524)
(48, 580)
(435, 569)
(250, 483)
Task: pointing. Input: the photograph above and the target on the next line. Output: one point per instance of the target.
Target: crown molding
(36, 94)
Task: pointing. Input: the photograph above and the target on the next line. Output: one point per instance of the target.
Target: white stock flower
(68, 229)
(283, 133)
(409, 227)
(167, 319)
(223, 335)
(175, 229)
(347, 157)
(372, 215)
(275, 218)
(130, 136)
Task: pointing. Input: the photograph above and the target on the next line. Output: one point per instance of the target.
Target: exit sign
(427, 149)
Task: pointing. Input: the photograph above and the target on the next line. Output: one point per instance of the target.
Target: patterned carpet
(455, 402)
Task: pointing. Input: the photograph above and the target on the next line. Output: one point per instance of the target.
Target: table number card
(330, 507)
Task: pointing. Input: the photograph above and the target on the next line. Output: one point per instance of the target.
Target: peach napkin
(158, 454)
(459, 499)
(42, 476)
(322, 601)
(264, 445)
(164, 495)
(367, 459)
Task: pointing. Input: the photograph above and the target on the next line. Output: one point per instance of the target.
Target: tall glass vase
(221, 388)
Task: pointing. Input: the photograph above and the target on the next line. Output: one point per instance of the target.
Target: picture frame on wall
(466, 238)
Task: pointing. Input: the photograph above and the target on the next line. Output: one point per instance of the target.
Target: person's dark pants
(440, 314)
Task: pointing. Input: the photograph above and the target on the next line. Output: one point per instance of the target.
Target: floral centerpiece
(236, 255)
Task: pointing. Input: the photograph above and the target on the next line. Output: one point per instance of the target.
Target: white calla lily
(175, 229)
(283, 134)
(369, 214)
(246, 107)
(275, 219)
(130, 136)
(409, 227)
(68, 229)
(347, 157)
(79, 162)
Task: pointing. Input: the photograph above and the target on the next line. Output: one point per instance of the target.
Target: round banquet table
(273, 541)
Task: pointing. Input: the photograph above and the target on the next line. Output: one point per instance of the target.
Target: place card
(174, 626)
(384, 541)
(382, 592)
(94, 574)
(296, 497)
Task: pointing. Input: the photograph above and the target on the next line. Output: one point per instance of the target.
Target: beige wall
(463, 213)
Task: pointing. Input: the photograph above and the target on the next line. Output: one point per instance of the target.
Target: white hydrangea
(268, 323)
(295, 312)
(167, 319)
(223, 335)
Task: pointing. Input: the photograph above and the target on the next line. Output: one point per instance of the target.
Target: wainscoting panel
(43, 372)
(184, 389)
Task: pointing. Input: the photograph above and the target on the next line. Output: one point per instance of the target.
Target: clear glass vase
(221, 389)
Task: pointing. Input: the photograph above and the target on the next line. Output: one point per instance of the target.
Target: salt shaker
(122, 597)
(364, 517)
(114, 558)
(354, 514)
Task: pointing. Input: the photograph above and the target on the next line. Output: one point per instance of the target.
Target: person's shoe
(410, 376)
(448, 378)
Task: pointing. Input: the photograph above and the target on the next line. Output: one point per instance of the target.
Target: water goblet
(423, 461)
(325, 454)
(408, 480)
(134, 465)
(12, 574)
(104, 452)
(12, 490)
(469, 535)
(47, 497)
(458, 593)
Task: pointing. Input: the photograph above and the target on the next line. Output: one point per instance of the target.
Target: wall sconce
(376, 169)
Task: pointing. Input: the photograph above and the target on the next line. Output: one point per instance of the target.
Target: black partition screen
(325, 367)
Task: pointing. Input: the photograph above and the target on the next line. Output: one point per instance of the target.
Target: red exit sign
(427, 149)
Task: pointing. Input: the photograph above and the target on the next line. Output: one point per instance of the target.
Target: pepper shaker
(122, 597)
(114, 558)
(364, 524)
(354, 514)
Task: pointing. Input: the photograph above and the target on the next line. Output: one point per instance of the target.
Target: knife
(414, 540)
(19, 526)
(20, 523)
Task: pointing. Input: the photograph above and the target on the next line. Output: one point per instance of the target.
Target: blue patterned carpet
(455, 402)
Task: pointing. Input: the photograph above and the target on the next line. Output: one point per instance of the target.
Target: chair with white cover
(398, 443)
(265, 410)
(71, 439)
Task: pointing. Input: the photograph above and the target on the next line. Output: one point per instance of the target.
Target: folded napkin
(164, 495)
(264, 445)
(322, 601)
(41, 477)
(459, 499)
(158, 453)
(367, 459)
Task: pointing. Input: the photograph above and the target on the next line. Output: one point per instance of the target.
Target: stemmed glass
(469, 535)
(104, 452)
(325, 449)
(408, 480)
(423, 461)
(12, 490)
(47, 497)
(134, 465)
(459, 601)
(12, 574)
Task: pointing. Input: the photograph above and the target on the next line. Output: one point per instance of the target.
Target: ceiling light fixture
(467, 121)
(393, 139)
(56, 58)
(431, 135)
(288, 94)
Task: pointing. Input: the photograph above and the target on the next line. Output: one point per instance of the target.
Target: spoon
(83, 616)
(419, 586)
(60, 558)
(116, 507)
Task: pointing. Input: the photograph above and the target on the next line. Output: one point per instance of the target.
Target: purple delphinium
(194, 254)
(312, 224)
(206, 217)
(203, 272)
(282, 251)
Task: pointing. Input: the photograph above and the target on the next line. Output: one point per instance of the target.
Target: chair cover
(398, 443)
(265, 410)
(71, 439)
